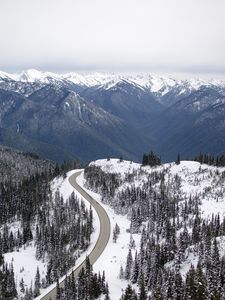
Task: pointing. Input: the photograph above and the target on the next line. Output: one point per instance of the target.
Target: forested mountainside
(17, 165)
(89, 116)
(58, 232)
(179, 212)
(40, 225)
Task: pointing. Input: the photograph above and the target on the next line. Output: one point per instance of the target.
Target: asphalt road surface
(102, 239)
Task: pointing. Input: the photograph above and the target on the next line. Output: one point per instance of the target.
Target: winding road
(103, 237)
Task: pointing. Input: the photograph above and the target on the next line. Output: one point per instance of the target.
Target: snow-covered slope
(114, 165)
(196, 179)
(187, 180)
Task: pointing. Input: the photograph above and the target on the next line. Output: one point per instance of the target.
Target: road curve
(103, 237)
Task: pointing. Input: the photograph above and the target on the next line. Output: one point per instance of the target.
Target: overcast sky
(124, 35)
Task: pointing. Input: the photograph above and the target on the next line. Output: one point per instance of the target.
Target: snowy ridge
(195, 179)
(114, 165)
(154, 83)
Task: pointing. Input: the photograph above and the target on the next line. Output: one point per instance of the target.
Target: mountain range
(93, 115)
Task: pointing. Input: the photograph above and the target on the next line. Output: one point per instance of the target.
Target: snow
(30, 75)
(4, 75)
(213, 202)
(25, 265)
(115, 166)
(115, 254)
(92, 79)
(159, 83)
(155, 83)
(13, 227)
(192, 259)
(24, 261)
(196, 179)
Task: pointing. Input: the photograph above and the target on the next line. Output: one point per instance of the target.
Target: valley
(89, 116)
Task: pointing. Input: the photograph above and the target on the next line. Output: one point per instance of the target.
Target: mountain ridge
(145, 80)
(93, 115)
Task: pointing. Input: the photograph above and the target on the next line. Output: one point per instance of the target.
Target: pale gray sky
(143, 35)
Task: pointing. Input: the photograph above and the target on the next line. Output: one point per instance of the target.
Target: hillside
(17, 165)
(176, 216)
(167, 224)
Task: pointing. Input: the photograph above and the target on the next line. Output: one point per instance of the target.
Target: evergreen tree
(22, 289)
(116, 232)
(58, 290)
(151, 159)
(202, 292)
(142, 290)
(37, 283)
(178, 159)
(128, 265)
(129, 294)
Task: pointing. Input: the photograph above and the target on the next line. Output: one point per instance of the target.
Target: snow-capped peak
(92, 79)
(33, 75)
(30, 75)
(4, 75)
(155, 83)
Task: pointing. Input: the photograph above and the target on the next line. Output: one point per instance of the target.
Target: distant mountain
(89, 116)
(194, 124)
(55, 117)
(125, 99)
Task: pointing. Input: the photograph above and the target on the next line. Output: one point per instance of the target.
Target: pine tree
(191, 285)
(213, 273)
(202, 292)
(11, 286)
(121, 274)
(135, 269)
(178, 159)
(128, 265)
(151, 159)
(37, 283)
(158, 294)
(116, 232)
(58, 290)
(142, 290)
(132, 242)
(22, 289)
(129, 294)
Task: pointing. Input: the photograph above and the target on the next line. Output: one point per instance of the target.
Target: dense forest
(58, 228)
(17, 165)
(173, 230)
(88, 285)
